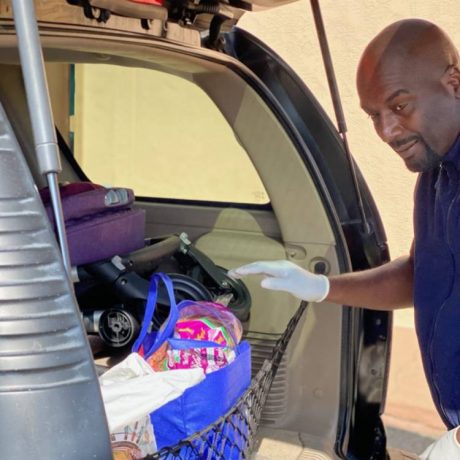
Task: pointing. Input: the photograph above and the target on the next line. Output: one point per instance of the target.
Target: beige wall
(350, 25)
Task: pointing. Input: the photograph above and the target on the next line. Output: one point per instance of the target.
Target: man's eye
(399, 107)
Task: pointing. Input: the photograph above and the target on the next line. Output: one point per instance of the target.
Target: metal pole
(333, 88)
(33, 71)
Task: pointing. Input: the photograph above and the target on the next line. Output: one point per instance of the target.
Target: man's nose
(389, 127)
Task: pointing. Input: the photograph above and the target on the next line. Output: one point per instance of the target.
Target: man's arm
(387, 287)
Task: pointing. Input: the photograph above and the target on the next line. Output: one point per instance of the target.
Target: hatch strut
(46, 148)
(341, 124)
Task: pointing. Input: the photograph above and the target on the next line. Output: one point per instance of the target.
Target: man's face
(413, 111)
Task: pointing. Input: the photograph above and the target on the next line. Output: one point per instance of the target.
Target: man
(408, 82)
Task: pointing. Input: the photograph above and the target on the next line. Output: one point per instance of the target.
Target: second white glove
(282, 275)
(445, 448)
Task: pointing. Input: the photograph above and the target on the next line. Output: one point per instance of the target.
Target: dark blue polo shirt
(437, 281)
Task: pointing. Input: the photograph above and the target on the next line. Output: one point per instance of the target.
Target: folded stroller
(113, 262)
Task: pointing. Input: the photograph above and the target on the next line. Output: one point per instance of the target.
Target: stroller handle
(151, 253)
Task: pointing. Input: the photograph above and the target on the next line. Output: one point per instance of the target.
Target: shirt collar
(453, 155)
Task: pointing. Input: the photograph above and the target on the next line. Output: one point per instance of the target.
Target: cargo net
(232, 436)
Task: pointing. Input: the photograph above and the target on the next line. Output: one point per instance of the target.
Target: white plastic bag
(131, 390)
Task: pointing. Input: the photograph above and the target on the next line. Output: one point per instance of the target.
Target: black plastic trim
(207, 203)
(68, 155)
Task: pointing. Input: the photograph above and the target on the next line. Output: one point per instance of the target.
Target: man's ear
(452, 80)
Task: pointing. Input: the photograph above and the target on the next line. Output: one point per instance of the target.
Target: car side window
(158, 134)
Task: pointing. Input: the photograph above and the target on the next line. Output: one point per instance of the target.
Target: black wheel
(240, 303)
(117, 327)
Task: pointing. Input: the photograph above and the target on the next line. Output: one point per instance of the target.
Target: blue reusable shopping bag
(203, 404)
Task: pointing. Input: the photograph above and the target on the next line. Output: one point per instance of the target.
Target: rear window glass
(158, 134)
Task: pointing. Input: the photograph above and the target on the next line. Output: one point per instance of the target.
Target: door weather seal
(341, 124)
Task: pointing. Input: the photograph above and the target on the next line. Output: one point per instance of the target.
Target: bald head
(408, 81)
(412, 45)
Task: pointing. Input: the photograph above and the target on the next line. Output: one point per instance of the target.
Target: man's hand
(445, 448)
(283, 275)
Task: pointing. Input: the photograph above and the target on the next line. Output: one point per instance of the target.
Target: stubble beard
(430, 160)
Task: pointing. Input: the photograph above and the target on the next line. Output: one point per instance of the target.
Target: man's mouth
(404, 151)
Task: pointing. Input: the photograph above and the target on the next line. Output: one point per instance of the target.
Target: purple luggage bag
(100, 222)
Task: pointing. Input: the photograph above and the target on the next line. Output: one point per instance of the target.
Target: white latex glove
(445, 448)
(282, 275)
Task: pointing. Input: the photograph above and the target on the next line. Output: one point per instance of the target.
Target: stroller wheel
(187, 288)
(240, 303)
(117, 327)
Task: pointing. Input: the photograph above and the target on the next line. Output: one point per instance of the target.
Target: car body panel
(45, 360)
